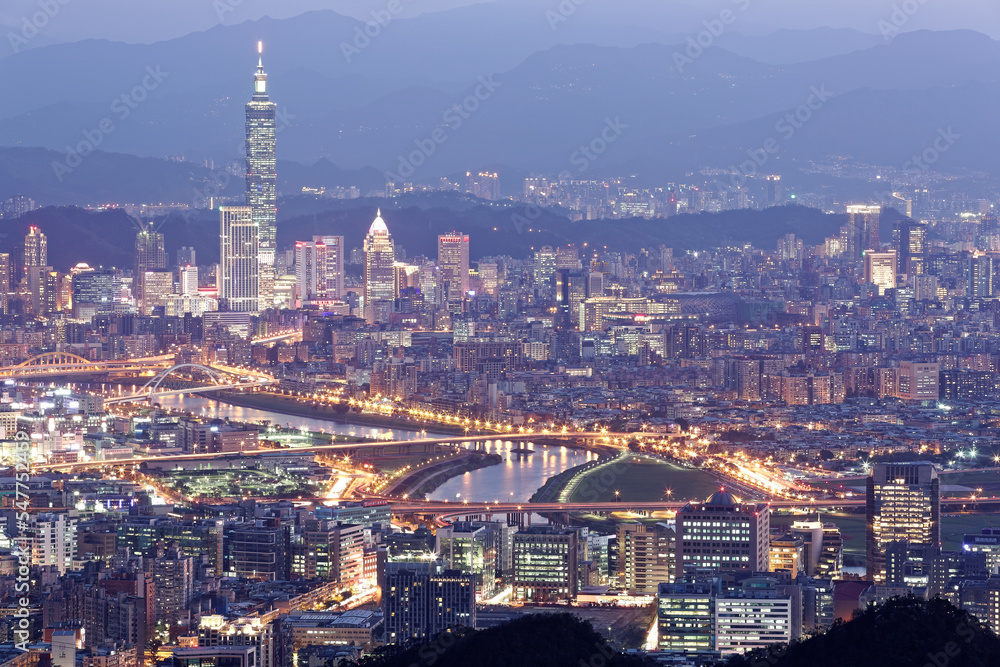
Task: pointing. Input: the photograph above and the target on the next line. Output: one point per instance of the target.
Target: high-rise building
(271, 647)
(157, 285)
(150, 255)
(472, 548)
(773, 196)
(262, 179)
(258, 550)
(903, 503)
(188, 282)
(453, 260)
(420, 603)
(918, 381)
(6, 273)
(173, 576)
(723, 533)
(880, 269)
(35, 248)
(908, 240)
(310, 270)
(483, 184)
(645, 556)
(981, 278)
(51, 538)
(787, 553)
(380, 257)
(862, 230)
(685, 616)
(238, 259)
(755, 616)
(822, 549)
(545, 564)
(334, 271)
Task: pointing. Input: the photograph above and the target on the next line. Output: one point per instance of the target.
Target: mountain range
(530, 94)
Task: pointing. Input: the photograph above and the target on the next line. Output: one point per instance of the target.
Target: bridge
(220, 381)
(53, 364)
(419, 445)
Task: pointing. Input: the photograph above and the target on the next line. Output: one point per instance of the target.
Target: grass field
(644, 480)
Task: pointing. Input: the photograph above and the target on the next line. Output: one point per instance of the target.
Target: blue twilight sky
(154, 20)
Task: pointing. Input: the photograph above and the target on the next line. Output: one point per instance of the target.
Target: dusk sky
(152, 20)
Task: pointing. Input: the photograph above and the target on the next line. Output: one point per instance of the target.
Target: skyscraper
(774, 197)
(150, 255)
(334, 272)
(380, 255)
(262, 179)
(35, 248)
(862, 230)
(238, 259)
(981, 284)
(903, 503)
(908, 242)
(453, 260)
(310, 270)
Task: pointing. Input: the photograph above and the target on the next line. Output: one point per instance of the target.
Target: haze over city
(499, 332)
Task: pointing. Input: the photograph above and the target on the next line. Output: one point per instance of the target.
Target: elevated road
(344, 447)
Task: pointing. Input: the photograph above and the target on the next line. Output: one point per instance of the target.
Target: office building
(880, 269)
(188, 280)
(546, 565)
(310, 271)
(157, 285)
(238, 259)
(685, 616)
(453, 261)
(862, 230)
(645, 556)
(35, 248)
(380, 258)
(472, 548)
(822, 549)
(421, 602)
(903, 504)
(261, 180)
(909, 242)
(150, 255)
(981, 278)
(773, 196)
(755, 616)
(723, 533)
(271, 641)
(334, 269)
(787, 553)
(918, 381)
(258, 550)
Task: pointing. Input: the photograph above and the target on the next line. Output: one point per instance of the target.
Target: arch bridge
(221, 379)
(51, 364)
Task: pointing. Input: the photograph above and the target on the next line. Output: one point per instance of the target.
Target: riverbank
(294, 407)
(421, 482)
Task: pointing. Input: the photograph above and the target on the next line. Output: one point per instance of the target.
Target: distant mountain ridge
(552, 96)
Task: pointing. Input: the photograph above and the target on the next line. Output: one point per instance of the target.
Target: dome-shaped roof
(378, 227)
(722, 497)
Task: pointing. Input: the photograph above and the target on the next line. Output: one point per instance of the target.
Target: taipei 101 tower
(262, 178)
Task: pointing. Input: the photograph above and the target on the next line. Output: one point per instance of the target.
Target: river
(513, 480)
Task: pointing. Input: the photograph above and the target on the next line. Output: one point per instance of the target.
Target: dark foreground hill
(903, 632)
(536, 640)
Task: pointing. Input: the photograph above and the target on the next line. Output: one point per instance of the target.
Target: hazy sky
(153, 20)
